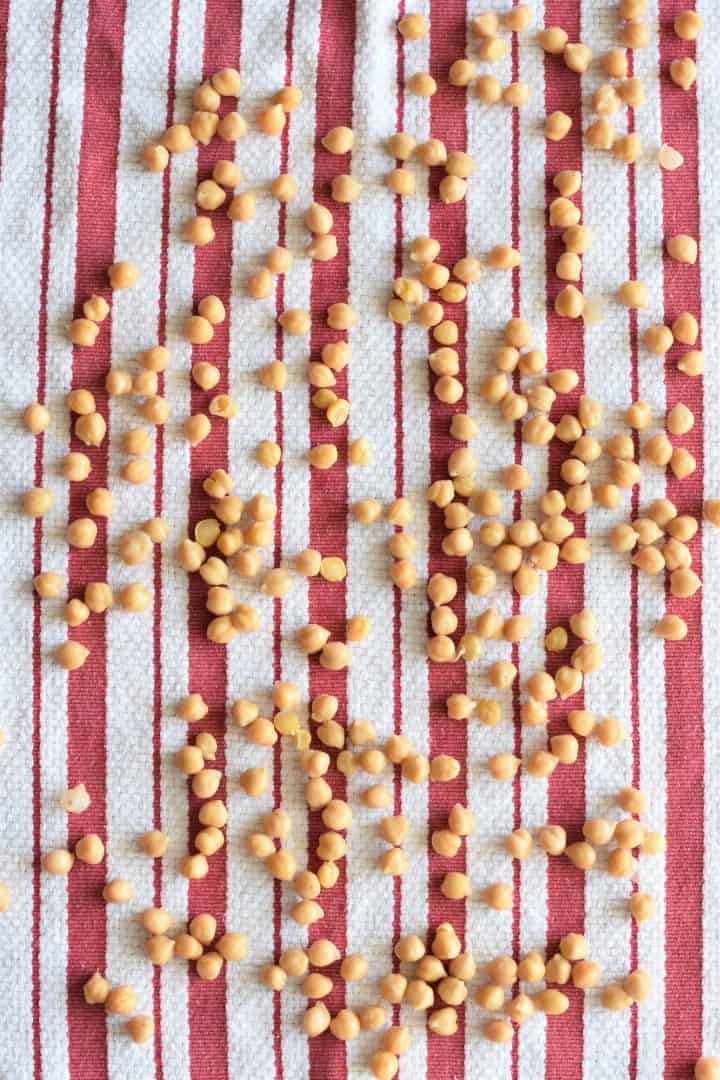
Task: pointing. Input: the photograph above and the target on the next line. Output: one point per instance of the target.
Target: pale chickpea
(232, 127)
(687, 26)
(683, 72)
(682, 248)
(557, 125)
(198, 231)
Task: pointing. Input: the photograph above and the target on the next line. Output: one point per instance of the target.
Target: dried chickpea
(58, 862)
(551, 1002)
(118, 891)
(155, 157)
(682, 248)
(121, 1000)
(96, 989)
(552, 39)
(683, 72)
(503, 257)
(557, 125)
(339, 140)
(687, 26)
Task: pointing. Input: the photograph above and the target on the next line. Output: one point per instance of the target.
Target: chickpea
(226, 174)
(118, 891)
(552, 40)
(96, 989)
(121, 1000)
(503, 257)
(683, 72)
(226, 82)
(233, 126)
(551, 1002)
(254, 781)
(58, 862)
(682, 248)
(706, 1068)
(140, 1028)
(687, 26)
(155, 157)
(557, 125)
(492, 49)
(198, 231)
(345, 189)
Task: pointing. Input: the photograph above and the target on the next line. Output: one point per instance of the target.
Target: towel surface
(85, 85)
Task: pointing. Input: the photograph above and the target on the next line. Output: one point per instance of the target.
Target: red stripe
(279, 492)
(517, 513)
(634, 573)
(328, 490)
(683, 663)
(207, 661)
(38, 530)
(446, 1055)
(565, 587)
(4, 20)
(157, 553)
(87, 686)
(399, 483)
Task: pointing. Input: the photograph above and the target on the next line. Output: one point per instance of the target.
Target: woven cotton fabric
(85, 83)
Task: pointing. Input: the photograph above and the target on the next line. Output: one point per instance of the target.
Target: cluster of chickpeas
(198, 942)
(119, 1001)
(436, 987)
(659, 339)
(90, 428)
(205, 125)
(409, 298)
(627, 834)
(658, 542)
(570, 963)
(541, 687)
(458, 166)
(84, 331)
(89, 849)
(346, 1024)
(192, 761)
(98, 597)
(610, 97)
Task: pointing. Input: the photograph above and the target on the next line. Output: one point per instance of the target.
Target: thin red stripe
(683, 662)
(4, 20)
(635, 500)
(157, 553)
(565, 587)
(279, 490)
(87, 686)
(399, 483)
(328, 490)
(38, 530)
(446, 1055)
(208, 662)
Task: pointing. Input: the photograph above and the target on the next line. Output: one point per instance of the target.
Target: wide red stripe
(446, 1055)
(328, 490)
(565, 588)
(279, 500)
(634, 576)
(208, 662)
(87, 686)
(683, 662)
(38, 480)
(157, 553)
